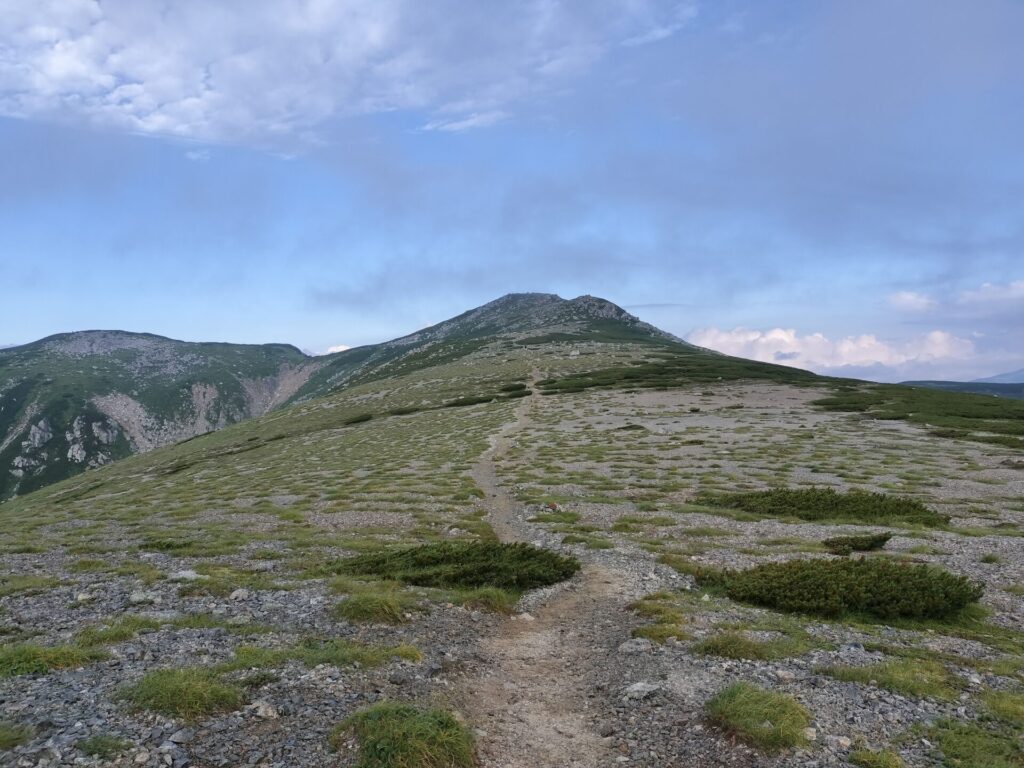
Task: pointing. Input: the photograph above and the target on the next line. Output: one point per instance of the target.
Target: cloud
(994, 296)
(198, 155)
(275, 70)
(818, 352)
(909, 301)
(337, 348)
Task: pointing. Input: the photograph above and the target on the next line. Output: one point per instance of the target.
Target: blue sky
(829, 184)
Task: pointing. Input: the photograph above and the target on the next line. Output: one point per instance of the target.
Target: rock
(83, 597)
(636, 645)
(240, 594)
(182, 736)
(141, 757)
(264, 709)
(187, 575)
(811, 734)
(784, 676)
(838, 743)
(525, 617)
(640, 691)
(139, 597)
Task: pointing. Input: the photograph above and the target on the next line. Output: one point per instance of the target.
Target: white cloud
(273, 70)
(994, 295)
(817, 352)
(909, 301)
(337, 348)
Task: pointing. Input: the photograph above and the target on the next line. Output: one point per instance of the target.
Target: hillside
(1012, 377)
(80, 400)
(77, 401)
(993, 389)
(539, 534)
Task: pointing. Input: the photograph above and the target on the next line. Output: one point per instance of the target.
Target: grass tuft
(865, 758)
(13, 735)
(393, 735)
(31, 659)
(909, 677)
(103, 746)
(731, 645)
(187, 693)
(376, 608)
(770, 721)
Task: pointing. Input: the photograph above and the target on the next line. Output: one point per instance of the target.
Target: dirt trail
(529, 696)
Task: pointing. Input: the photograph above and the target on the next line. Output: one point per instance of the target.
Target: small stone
(811, 734)
(181, 737)
(264, 709)
(240, 594)
(636, 645)
(186, 575)
(83, 597)
(784, 676)
(142, 757)
(706, 598)
(143, 598)
(640, 691)
(525, 617)
(838, 743)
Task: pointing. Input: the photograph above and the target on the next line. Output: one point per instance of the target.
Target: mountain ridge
(77, 400)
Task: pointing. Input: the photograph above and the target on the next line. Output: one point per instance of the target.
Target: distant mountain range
(1014, 377)
(982, 387)
(79, 400)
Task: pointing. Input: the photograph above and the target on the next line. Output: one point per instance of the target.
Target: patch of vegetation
(31, 659)
(846, 545)
(562, 516)
(971, 745)
(990, 559)
(1007, 706)
(876, 588)
(13, 735)
(770, 721)
(103, 746)
(393, 735)
(952, 415)
(28, 584)
(908, 677)
(455, 565)
(376, 607)
(187, 693)
(117, 631)
(828, 504)
(865, 758)
(732, 645)
(312, 652)
(659, 633)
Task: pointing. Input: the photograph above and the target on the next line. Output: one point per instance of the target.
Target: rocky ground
(562, 681)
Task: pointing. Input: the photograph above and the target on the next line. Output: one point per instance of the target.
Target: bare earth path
(529, 697)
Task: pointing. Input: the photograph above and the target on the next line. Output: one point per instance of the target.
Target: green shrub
(878, 588)
(768, 720)
(845, 545)
(828, 504)
(12, 734)
(186, 693)
(455, 565)
(393, 735)
(30, 659)
(103, 746)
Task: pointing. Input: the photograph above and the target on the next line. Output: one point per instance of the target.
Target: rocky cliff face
(81, 400)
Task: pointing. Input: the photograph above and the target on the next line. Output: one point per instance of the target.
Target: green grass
(994, 420)
(1007, 706)
(117, 631)
(27, 584)
(455, 565)
(767, 720)
(864, 758)
(846, 545)
(188, 693)
(338, 652)
(731, 645)
(971, 745)
(908, 677)
(393, 735)
(31, 659)
(877, 588)
(376, 608)
(660, 632)
(12, 735)
(828, 504)
(103, 746)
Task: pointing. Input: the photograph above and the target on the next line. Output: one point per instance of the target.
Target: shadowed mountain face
(80, 400)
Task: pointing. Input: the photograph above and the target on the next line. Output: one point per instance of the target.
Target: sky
(833, 185)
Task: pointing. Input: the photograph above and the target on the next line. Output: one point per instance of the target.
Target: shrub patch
(393, 735)
(845, 545)
(771, 721)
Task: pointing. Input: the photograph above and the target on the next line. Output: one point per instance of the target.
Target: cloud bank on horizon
(833, 185)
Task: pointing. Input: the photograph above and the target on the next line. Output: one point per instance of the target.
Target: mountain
(1014, 377)
(303, 586)
(79, 400)
(1015, 391)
